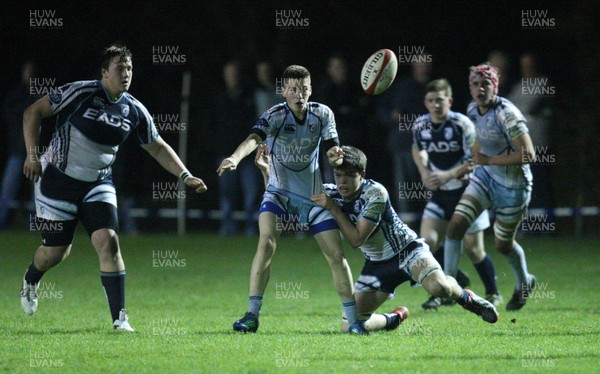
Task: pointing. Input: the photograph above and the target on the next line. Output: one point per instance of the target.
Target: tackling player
(502, 180)
(441, 150)
(73, 176)
(393, 252)
(294, 132)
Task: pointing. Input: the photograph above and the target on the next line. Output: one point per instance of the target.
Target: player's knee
(457, 227)
(504, 238)
(504, 247)
(438, 285)
(267, 244)
(106, 243)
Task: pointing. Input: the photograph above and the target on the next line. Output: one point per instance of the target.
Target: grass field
(183, 294)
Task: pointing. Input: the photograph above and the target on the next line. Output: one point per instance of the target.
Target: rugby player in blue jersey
(441, 150)
(501, 181)
(294, 131)
(73, 176)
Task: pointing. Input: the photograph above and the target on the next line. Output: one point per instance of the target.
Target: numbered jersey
(90, 127)
(447, 144)
(294, 146)
(495, 130)
(373, 204)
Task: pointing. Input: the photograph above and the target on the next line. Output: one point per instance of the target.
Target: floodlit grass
(183, 294)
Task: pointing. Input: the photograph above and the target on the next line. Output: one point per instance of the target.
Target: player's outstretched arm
(32, 121)
(168, 159)
(356, 235)
(243, 150)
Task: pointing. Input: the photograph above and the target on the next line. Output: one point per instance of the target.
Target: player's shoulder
(319, 109)
(137, 105)
(68, 91)
(472, 108)
(373, 190)
(80, 85)
(422, 122)
(506, 109)
(459, 119)
(276, 111)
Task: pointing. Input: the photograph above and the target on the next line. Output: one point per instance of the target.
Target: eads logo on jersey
(111, 120)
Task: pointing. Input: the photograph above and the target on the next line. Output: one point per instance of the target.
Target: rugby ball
(379, 72)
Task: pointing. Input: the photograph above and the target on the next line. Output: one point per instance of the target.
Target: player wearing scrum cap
(73, 176)
(501, 181)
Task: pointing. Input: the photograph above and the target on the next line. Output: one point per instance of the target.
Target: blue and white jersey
(294, 146)
(448, 144)
(495, 131)
(90, 127)
(373, 204)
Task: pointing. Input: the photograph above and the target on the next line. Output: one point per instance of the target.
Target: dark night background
(457, 34)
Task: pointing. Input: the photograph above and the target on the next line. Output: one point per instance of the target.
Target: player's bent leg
(367, 303)
(505, 243)
(260, 271)
(44, 259)
(57, 237)
(439, 284)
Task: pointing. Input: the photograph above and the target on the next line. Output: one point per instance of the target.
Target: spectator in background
(398, 108)
(339, 95)
(13, 107)
(233, 115)
(500, 59)
(265, 93)
(531, 95)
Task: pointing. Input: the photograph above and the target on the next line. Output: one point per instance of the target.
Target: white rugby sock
(452, 251)
(517, 260)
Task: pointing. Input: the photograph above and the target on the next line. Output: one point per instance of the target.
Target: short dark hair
(112, 51)
(294, 72)
(439, 85)
(354, 160)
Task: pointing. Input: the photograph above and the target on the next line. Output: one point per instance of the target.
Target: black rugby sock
(114, 287)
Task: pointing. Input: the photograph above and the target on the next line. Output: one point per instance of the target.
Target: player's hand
(32, 168)
(428, 182)
(196, 184)
(228, 164)
(481, 159)
(464, 170)
(335, 155)
(261, 160)
(322, 199)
